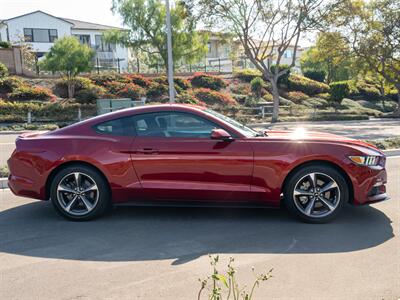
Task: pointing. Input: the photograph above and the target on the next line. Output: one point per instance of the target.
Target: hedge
(317, 75)
(306, 85)
(8, 84)
(26, 92)
(339, 90)
(131, 90)
(139, 80)
(247, 75)
(283, 79)
(90, 94)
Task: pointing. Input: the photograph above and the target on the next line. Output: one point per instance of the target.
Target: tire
(88, 199)
(316, 193)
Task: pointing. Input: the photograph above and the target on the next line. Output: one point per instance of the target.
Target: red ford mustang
(178, 154)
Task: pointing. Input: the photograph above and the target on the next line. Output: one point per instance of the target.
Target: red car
(180, 154)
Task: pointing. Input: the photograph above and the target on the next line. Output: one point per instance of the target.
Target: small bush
(157, 90)
(257, 86)
(3, 70)
(211, 97)
(131, 90)
(202, 80)
(283, 79)
(367, 91)
(306, 85)
(317, 75)
(188, 98)
(5, 45)
(139, 80)
(247, 75)
(90, 94)
(61, 86)
(26, 92)
(8, 84)
(297, 96)
(268, 96)
(339, 90)
(4, 172)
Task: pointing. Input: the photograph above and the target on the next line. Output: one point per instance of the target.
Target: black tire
(103, 198)
(293, 203)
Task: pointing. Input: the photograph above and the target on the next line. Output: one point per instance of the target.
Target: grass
(385, 144)
(4, 171)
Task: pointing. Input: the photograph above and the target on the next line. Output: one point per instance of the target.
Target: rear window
(119, 127)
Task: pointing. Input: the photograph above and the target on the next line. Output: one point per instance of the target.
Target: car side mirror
(220, 134)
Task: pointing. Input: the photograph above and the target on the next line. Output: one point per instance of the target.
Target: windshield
(246, 131)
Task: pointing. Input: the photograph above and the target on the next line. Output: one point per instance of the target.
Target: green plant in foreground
(4, 171)
(225, 286)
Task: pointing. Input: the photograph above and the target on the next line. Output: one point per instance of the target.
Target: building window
(38, 35)
(102, 46)
(83, 38)
(287, 54)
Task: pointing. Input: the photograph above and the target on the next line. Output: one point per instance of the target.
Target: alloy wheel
(316, 195)
(77, 193)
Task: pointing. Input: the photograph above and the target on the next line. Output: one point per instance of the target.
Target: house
(41, 29)
(224, 52)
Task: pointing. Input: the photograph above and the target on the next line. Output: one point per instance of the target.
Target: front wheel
(80, 193)
(316, 193)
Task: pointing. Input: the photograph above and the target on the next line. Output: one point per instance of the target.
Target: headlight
(368, 160)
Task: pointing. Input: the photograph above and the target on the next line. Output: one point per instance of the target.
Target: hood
(304, 135)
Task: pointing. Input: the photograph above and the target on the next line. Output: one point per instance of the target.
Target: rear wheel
(80, 193)
(316, 193)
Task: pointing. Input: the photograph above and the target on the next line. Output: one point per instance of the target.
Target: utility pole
(169, 52)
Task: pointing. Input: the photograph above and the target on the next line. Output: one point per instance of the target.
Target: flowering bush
(80, 83)
(189, 98)
(211, 97)
(26, 92)
(89, 94)
(104, 78)
(138, 79)
(156, 90)
(113, 87)
(131, 90)
(182, 83)
(208, 81)
(8, 84)
(297, 96)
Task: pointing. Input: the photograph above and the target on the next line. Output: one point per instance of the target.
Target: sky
(96, 11)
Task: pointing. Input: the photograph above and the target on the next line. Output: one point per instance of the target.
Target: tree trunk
(275, 97)
(71, 88)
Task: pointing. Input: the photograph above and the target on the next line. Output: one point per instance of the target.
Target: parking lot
(159, 253)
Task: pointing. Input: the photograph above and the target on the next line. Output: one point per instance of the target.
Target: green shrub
(5, 45)
(3, 70)
(339, 90)
(61, 86)
(157, 90)
(4, 172)
(211, 97)
(26, 92)
(131, 90)
(8, 84)
(188, 98)
(367, 91)
(139, 80)
(256, 85)
(317, 75)
(104, 78)
(267, 96)
(306, 85)
(247, 75)
(90, 94)
(283, 79)
(202, 80)
(297, 96)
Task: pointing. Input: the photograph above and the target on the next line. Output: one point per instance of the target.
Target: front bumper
(369, 186)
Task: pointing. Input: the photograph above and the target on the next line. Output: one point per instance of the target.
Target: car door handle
(147, 151)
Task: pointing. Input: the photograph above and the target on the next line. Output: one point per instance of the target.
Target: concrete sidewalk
(366, 130)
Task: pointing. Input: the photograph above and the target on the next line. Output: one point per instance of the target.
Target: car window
(173, 125)
(120, 127)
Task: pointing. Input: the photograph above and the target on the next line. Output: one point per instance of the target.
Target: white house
(41, 29)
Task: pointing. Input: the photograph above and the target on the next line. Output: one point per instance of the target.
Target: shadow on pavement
(183, 234)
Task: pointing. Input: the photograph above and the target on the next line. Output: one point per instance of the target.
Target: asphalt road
(159, 253)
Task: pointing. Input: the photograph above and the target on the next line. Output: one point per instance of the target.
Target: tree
(372, 30)
(330, 54)
(147, 31)
(70, 58)
(265, 29)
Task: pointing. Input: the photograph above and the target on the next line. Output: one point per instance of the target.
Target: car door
(175, 159)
